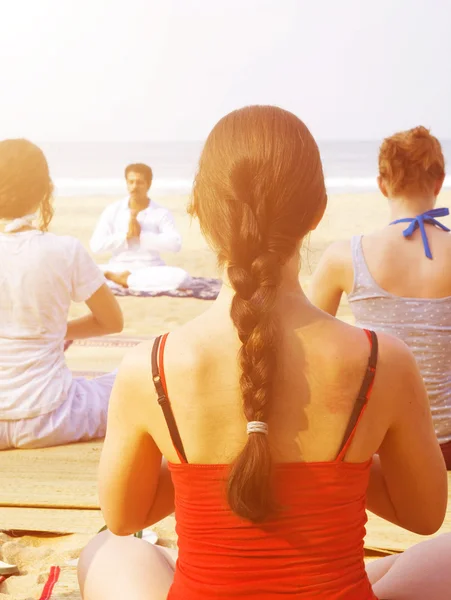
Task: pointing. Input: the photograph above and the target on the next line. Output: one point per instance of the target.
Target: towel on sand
(50, 583)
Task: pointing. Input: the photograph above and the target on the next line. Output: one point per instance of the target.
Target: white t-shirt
(40, 274)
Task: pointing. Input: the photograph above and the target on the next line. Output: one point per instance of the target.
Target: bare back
(224, 370)
(322, 366)
(400, 267)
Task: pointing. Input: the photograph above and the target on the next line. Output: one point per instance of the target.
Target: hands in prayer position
(134, 228)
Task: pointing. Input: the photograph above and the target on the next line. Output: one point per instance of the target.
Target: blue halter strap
(418, 223)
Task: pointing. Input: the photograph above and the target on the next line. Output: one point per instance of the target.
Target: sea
(97, 168)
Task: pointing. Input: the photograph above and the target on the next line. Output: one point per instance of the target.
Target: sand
(144, 316)
(346, 215)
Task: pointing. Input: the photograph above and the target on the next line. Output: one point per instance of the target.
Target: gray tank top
(424, 324)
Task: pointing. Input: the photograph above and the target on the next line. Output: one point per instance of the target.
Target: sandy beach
(346, 215)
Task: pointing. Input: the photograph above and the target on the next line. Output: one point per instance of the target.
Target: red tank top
(312, 548)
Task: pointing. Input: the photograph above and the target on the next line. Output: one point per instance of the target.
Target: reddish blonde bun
(411, 161)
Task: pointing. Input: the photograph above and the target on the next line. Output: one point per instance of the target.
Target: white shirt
(40, 274)
(158, 234)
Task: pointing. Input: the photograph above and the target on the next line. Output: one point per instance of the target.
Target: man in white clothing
(135, 230)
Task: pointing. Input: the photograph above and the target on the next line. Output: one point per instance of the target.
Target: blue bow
(419, 221)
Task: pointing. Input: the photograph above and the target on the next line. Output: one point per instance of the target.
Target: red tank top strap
(159, 381)
(161, 362)
(362, 398)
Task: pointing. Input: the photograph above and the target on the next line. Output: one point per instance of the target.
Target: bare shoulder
(445, 236)
(398, 379)
(337, 258)
(396, 354)
(397, 382)
(341, 248)
(134, 379)
(340, 251)
(394, 358)
(337, 253)
(334, 271)
(136, 368)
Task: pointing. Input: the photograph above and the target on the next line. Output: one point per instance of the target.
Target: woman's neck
(410, 207)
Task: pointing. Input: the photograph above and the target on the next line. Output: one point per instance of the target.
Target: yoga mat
(202, 288)
(110, 342)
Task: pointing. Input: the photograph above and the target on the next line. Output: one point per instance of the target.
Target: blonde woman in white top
(41, 404)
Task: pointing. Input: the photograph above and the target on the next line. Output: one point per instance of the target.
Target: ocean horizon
(97, 168)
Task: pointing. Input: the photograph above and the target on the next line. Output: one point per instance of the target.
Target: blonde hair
(25, 183)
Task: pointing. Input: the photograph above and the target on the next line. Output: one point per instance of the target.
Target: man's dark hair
(142, 169)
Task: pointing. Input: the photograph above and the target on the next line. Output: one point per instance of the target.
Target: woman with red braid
(398, 279)
(259, 420)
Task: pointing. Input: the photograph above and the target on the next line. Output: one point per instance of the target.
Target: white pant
(150, 279)
(81, 417)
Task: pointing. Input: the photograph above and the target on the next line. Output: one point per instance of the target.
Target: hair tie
(257, 427)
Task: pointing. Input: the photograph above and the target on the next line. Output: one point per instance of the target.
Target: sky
(139, 70)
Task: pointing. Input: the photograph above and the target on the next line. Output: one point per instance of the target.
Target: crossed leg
(151, 279)
(422, 571)
(114, 568)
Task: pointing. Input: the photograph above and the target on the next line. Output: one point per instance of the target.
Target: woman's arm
(88, 285)
(330, 278)
(135, 485)
(408, 482)
(105, 318)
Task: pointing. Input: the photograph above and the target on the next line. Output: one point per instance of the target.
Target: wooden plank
(65, 477)
(50, 520)
(62, 476)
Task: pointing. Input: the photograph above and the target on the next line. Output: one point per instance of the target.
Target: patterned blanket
(202, 288)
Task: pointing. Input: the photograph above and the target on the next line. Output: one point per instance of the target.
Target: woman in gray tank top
(398, 279)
